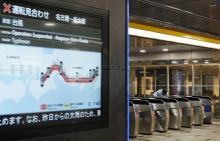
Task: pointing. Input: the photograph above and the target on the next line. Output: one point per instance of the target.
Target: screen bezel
(35, 131)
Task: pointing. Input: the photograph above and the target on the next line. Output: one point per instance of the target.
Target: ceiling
(199, 15)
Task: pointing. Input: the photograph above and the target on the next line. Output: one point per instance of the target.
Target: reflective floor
(197, 133)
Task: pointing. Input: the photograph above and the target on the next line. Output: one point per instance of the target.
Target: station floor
(197, 133)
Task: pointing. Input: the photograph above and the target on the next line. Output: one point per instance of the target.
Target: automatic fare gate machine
(146, 116)
(187, 111)
(134, 120)
(161, 114)
(208, 108)
(175, 113)
(198, 110)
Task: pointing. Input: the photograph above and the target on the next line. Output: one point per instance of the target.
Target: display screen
(51, 66)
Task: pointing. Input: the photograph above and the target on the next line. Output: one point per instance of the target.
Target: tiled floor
(197, 133)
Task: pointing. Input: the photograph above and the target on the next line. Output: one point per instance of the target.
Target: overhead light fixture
(165, 49)
(212, 5)
(206, 61)
(174, 62)
(49, 24)
(195, 61)
(186, 62)
(142, 51)
(171, 38)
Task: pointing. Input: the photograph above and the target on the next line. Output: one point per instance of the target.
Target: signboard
(51, 66)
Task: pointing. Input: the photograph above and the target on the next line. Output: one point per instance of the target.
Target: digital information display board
(51, 63)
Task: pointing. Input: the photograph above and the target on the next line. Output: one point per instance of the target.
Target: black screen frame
(12, 134)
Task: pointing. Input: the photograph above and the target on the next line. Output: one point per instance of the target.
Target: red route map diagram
(93, 73)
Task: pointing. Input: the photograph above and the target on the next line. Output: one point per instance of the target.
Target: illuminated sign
(67, 18)
(9, 8)
(25, 11)
(51, 67)
(14, 22)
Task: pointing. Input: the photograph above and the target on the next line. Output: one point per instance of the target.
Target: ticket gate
(146, 116)
(198, 110)
(208, 108)
(175, 113)
(134, 120)
(187, 111)
(161, 114)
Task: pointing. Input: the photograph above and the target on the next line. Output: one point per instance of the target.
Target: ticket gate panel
(175, 116)
(198, 115)
(161, 118)
(146, 116)
(208, 114)
(187, 117)
(208, 109)
(160, 121)
(186, 111)
(134, 121)
(146, 123)
(161, 114)
(198, 110)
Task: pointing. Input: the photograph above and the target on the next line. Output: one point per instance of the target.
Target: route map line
(93, 74)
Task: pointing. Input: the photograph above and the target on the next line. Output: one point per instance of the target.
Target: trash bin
(161, 114)
(198, 110)
(134, 120)
(175, 113)
(146, 116)
(208, 108)
(187, 111)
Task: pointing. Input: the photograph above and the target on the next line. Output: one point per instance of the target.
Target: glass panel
(157, 79)
(149, 81)
(206, 80)
(180, 69)
(136, 81)
(197, 80)
(181, 80)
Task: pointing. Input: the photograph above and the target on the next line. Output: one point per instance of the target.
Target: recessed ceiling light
(49, 24)
(212, 5)
(165, 49)
(186, 63)
(207, 62)
(195, 61)
(142, 51)
(174, 62)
